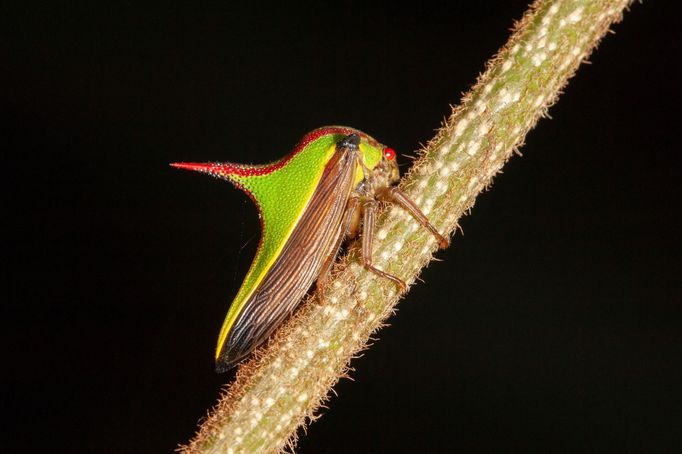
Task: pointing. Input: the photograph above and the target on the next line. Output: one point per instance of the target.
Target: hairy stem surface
(282, 387)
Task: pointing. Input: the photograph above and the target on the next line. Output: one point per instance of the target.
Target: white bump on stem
(381, 234)
(426, 208)
(539, 100)
(539, 58)
(459, 129)
(506, 98)
(567, 61)
(576, 15)
(485, 125)
(293, 372)
(454, 166)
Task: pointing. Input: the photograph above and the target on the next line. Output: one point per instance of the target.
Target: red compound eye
(389, 153)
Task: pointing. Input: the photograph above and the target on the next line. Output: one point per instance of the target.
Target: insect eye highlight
(389, 153)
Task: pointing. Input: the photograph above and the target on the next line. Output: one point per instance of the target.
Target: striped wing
(299, 264)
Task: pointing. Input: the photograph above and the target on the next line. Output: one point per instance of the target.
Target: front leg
(395, 195)
(368, 222)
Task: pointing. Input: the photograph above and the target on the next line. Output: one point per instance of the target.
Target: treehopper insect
(308, 202)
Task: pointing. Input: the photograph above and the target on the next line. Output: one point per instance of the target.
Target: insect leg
(368, 221)
(348, 215)
(397, 196)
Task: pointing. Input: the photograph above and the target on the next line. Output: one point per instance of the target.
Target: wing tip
(225, 363)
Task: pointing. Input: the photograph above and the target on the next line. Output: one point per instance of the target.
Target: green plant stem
(277, 391)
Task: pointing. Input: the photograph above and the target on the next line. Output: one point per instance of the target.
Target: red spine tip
(227, 170)
(193, 166)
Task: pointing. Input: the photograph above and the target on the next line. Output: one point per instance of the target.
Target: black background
(552, 325)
